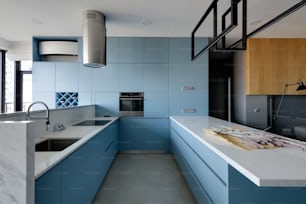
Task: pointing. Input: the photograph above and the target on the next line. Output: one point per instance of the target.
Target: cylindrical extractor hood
(94, 39)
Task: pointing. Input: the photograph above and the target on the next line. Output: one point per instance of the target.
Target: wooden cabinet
(272, 63)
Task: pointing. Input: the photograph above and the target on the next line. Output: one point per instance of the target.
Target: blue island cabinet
(82, 172)
(144, 134)
(48, 186)
(212, 180)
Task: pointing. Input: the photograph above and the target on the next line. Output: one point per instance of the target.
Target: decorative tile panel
(66, 99)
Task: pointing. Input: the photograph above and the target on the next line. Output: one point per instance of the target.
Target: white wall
(17, 50)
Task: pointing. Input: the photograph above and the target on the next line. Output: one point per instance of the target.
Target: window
(2, 78)
(16, 85)
(25, 87)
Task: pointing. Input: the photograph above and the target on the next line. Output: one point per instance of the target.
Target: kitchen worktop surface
(46, 160)
(283, 166)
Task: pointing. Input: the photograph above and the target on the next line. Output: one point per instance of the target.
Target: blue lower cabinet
(199, 194)
(144, 134)
(82, 172)
(48, 187)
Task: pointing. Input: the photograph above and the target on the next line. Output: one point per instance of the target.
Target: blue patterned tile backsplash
(66, 99)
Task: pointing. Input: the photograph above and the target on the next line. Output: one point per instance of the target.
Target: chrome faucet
(37, 117)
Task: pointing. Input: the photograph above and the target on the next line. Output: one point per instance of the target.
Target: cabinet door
(48, 187)
(156, 104)
(85, 169)
(156, 50)
(143, 134)
(43, 74)
(156, 134)
(156, 77)
(131, 134)
(77, 176)
(131, 77)
(67, 74)
(272, 63)
(131, 50)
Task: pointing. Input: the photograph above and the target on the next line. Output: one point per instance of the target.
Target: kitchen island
(220, 172)
(46, 160)
(74, 174)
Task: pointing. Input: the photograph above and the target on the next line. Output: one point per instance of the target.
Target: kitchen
(157, 65)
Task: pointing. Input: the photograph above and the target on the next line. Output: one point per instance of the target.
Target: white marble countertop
(265, 167)
(46, 160)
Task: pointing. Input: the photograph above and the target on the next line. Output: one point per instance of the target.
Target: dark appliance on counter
(131, 104)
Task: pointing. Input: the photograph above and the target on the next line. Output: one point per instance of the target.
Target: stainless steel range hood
(94, 39)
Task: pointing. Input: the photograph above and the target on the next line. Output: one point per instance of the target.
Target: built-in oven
(131, 104)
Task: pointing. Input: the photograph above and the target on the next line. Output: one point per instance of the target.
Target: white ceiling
(22, 19)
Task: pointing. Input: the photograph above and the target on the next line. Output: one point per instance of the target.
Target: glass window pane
(9, 86)
(26, 91)
(26, 65)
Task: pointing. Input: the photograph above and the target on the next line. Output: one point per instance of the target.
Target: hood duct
(94, 39)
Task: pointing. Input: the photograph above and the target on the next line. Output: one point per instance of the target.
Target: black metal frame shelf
(233, 11)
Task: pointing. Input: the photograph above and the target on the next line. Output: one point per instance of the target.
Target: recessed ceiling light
(37, 21)
(147, 23)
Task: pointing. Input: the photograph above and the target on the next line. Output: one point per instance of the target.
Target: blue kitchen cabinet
(77, 178)
(213, 184)
(112, 50)
(131, 78)
(48, 187)
(143, 134)
(180, 51)
(106, 79)
(212, 180)
(156, 104)
(43, 77)
(107, 103)
(66, 76)
(131, 50)
(84, 170)
(156, 77)
(188, 80)
(156, 50)
(193, 183)
(188, 90)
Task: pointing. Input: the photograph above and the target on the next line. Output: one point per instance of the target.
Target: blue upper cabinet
(106, 79)
(131, 50)
(112, 50)
(107, 103)
(156, 77)
(85, 79)
(156, 104)
(43, 77)
(156, 50)
(180, 52)
(131, 77)
(67, 76)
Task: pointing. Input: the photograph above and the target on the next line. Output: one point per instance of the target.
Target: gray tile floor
(144, 179)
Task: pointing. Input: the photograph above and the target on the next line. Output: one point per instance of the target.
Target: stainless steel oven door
(131, 106)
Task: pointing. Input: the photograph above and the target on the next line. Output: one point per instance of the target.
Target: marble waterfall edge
(16, 163)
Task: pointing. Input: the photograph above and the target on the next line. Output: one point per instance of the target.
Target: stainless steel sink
(92, 123)
(52, 145)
